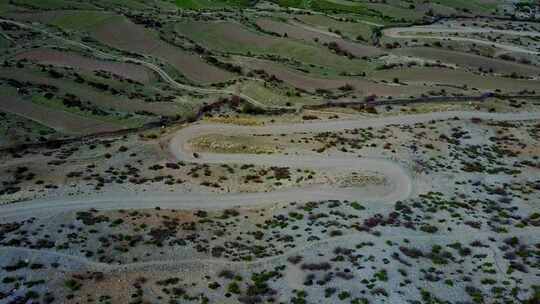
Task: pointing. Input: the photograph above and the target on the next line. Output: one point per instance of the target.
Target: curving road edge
(400, 182)
(415, 32)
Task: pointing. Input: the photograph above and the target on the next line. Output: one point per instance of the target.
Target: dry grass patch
(233, 144)
(241, 121)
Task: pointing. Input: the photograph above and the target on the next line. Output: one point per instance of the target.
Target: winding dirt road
(415, 32)
(399, 183)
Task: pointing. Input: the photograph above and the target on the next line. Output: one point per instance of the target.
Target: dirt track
(413, 33)
(398, 187)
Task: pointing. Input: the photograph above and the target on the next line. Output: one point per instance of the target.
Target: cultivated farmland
(278, 151)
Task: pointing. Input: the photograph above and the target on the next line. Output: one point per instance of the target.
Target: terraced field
(282, 151)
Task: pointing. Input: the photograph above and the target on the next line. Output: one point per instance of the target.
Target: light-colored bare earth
(384, 181)
(399, 183)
